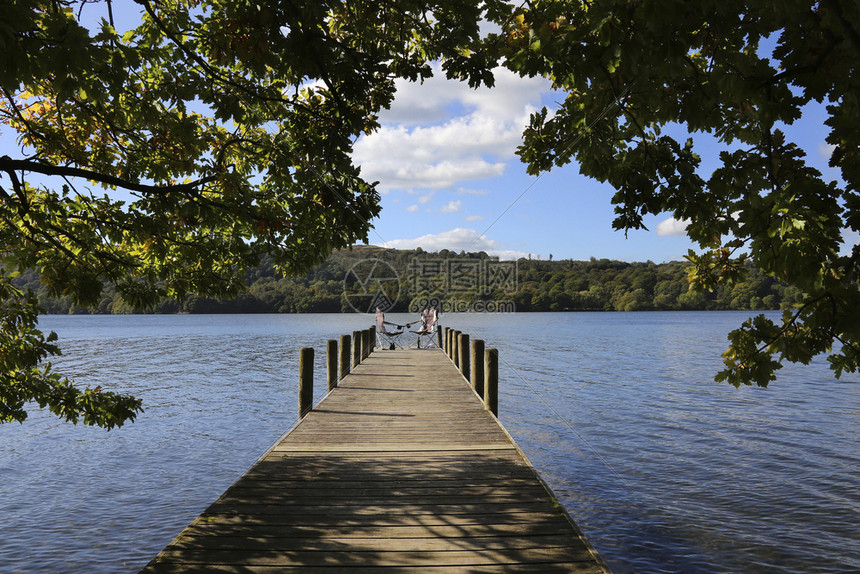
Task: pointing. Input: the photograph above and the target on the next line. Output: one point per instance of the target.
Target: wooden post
(438, 337)
(331, 363)
(464, 356)
(356, 348)
(455, 348)
(491, 380)
(371, 340)
(477, 356)
(345, 343)
(447, 347)
(306, 380)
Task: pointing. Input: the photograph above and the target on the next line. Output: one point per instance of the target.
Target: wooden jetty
(400, 468)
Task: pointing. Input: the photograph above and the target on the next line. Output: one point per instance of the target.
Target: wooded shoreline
(535, 285)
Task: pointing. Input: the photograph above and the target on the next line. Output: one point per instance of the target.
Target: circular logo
(369, 284)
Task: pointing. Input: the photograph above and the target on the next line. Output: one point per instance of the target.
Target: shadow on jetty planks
(399, 469)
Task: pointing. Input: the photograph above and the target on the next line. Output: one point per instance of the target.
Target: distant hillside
(366, 276)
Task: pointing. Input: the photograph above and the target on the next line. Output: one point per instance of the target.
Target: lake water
(664, 469)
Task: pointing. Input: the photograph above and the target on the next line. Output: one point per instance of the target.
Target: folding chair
(384, 337)
(429, 324)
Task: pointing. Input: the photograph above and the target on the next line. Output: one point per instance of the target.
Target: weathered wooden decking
(400, 469)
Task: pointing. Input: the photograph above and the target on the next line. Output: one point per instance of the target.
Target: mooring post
(331, 363)
(447, 336)
(477, 357)
(455, 348)
(464, 356)
(438, 337)
(345, 341)
(371, 340)
(365, 345)
(491, 380)
(306, 380)
(356, 348)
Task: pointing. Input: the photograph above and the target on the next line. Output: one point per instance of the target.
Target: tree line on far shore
(415, 276)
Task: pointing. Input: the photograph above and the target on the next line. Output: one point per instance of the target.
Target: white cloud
(672, 226)
(425, 198)
(825, 150)
(475, 218)
(452, 207)
(459, 239)
(850, 239)
(412, 208)
(441, 133)
(434, 100)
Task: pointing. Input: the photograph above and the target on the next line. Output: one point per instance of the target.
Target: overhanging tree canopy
(630, 69)
(228, 127)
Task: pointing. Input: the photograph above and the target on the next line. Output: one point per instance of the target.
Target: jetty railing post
(491, 380)
(371, 340)
(439, 338)
(446, 347)
(331, 363)
(306, 380)
(365, 345)
(343, 354)
(455, 348)
(478, 367)
(356, 348)
(365, 350)
(464, 356)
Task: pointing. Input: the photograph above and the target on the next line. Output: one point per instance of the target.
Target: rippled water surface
(664, 470)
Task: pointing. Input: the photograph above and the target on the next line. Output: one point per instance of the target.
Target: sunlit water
(664, 470)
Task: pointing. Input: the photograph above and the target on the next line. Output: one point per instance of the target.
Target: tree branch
(14, 105)
(10, 165)
(19, 191)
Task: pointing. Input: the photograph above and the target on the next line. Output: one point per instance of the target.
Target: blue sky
(449, 178)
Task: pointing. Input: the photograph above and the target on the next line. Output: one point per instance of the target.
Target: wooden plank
(357, 523)
(358, 557)
(542, 568)
(427, 446)
(350, 490)
(430, 543)
(526, 527)
(399, 469)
